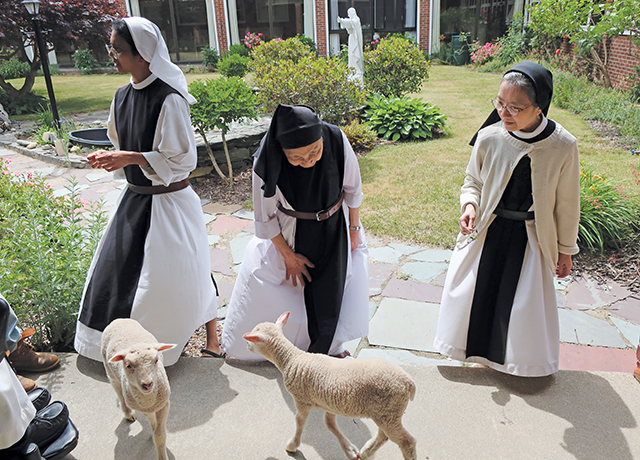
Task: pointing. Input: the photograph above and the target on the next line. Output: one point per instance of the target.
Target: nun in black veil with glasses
(309, 255)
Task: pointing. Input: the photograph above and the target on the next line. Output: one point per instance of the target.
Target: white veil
(151, 46)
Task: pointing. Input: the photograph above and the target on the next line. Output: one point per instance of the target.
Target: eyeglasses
(111, 51)
(513, 111)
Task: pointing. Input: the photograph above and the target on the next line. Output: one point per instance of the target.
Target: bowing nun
(152, 263)
(309, 254)
(520, 205)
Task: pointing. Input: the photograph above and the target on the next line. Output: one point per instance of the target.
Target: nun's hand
(111, 160)
(564, 265)
(297, 268)
(355, 238)
(468, 219)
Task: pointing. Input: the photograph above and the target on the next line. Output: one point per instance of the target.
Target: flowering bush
(252, 40)
(482, 54)
(607, 215)
(46, 245)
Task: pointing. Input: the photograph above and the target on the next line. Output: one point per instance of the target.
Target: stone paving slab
(580, 328)
(405, 249)
(585, 358)
(217, 208)
(224, 224)
(629, 330)
(405, 324)
(404, 357)
(238, 245)
(424, 272)
(385, 254)
(628, 308)
(378, 274)
(411, 290)
(220, 262)
(433, 255)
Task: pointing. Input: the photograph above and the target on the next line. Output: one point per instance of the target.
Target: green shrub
(234, 65)
(221, 101)
(404, 118)
(85, 61)
(210, 57)
(45, 251)
(272, 52)
(360, 135)
(514, 44)
(594, 102)
(54, 69)
(239, 49)
(309, 43)
(29, 103)
(317, 82)
(607, 216)
(13, 68)
(395, 68)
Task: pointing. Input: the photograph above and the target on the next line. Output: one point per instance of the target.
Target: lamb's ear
(164, 346)
(283, 319)
(118, 357)
(253, 337)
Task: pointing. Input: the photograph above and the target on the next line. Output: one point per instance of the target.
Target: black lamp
(33, 8)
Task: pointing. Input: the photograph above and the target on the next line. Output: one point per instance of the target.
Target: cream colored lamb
(369, 388)
(133, 362)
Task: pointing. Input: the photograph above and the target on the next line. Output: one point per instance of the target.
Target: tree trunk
(226, 153)
(602, 66)
(210, 152)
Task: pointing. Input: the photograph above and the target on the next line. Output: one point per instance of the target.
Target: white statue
(356, 54)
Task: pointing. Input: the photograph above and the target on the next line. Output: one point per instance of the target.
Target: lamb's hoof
(291, 446)
(131, 417)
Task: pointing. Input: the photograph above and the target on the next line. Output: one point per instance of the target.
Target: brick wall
(321, 27)
(423, 23)
(221, 24)
(623, 56)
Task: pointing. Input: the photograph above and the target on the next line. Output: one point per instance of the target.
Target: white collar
(543, 124)
(144, 83)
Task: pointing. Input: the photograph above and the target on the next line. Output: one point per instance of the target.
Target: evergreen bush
(85, 61)
(13, 68)
(29, 103)
(395, 68)
(210, 57)
(234, 65)
(239, 49)
(272, 52)
(360, 135)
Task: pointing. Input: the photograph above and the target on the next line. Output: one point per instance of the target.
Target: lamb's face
(260, 338)
(141, 366)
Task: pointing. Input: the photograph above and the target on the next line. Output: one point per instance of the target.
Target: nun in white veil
(152, 263)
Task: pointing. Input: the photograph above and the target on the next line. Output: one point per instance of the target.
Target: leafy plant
(85, 61)
(514, 44)
(234, 65)
(404, 118)
(360, 135)
(272, 52)
(29, 103)
(607, 216)
(396, 67)
(220, 102)
(238, 49)
(13, 68)
(482, 54)
(210, 57)
(46, 245)
(309, 43)
(320, 83)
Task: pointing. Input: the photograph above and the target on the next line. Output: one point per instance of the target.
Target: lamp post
(33, 7)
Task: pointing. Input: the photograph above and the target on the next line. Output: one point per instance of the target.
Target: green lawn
(412, 189)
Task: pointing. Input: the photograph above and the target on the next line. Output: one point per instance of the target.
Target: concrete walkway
(459, 412)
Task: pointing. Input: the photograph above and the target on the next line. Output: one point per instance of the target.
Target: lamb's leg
(158, 422)
(301, 418)
(347, 446)
(402, 438)
(115, 383)
(373, 445)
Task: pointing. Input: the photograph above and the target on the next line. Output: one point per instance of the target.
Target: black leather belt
(157, 189)
(514, 215)
(320, 215)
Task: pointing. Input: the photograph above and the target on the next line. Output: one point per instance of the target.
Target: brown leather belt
(320, 215)
(157, 189)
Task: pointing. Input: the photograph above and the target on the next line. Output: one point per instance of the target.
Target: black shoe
(40, 398)
(48, 424)
(67, 441)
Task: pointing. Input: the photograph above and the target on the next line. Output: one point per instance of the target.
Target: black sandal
(211, 354)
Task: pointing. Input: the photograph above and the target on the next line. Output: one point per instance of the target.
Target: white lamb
(133, 362)
(369, 388)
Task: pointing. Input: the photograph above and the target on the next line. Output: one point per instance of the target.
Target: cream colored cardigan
(555, 177)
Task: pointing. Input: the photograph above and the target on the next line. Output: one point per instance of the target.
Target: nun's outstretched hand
(111, 160)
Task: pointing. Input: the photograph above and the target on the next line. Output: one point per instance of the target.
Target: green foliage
(514, 44)
(594, 102)
(272, 52)
(360, 135)
(29, 103)
(607, 216)
(239, 49)
(317, 82)
(85, 61)
(210, 57)
(308, 42)
(395, 68)
(234, 65)
(46, 245)
(404, 118)
(13, 68)
(54, 69)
